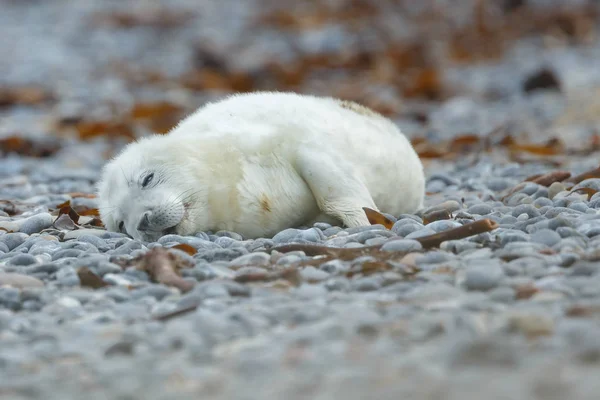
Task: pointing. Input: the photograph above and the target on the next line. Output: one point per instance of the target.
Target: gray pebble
(402, 245)
(311, 274)
(22, 260)
(335, 266)
(67, 276)
(19, 280)
(10, 298)
(127, 247)
(420, 233)
(312, 235)
(95, 241)
(232, 235)
(286, 236)
(159, 292)
(503, 294)
(592, 183)
(546, 236)
(443, 225)
(221, 254)
(509, 236)
(483, 277)
(528, 209)
(366, 284)
(67, 253)
(405, 228)
(36, 223)
(542, 202)
(257, 259)
(480, 209)
(13, 240)
(449, 205)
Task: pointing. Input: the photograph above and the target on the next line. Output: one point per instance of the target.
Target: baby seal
(258, 163)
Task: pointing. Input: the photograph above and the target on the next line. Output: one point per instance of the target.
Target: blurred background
(113, 70)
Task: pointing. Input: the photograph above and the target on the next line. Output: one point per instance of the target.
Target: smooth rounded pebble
(36, 223)
(19, 280)
(402, 245)
(546, 236)
(483, 277)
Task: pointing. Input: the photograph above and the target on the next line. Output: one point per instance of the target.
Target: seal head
(140, 193)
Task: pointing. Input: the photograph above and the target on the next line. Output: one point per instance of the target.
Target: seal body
(261, 162)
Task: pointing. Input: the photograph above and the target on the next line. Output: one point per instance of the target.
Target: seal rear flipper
(335, 186)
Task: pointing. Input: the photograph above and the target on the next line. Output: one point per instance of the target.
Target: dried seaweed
(163, 266)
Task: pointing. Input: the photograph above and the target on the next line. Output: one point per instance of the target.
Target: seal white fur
(261, 162)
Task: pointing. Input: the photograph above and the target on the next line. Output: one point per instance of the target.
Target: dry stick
(474, 228)
(177, 312)
(471, 229)
(551, 177)
(594, 173)
(544, 180)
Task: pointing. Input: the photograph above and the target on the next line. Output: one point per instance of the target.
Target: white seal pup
(258, 163)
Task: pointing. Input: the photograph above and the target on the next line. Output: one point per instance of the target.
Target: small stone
(443, 225)
(67, 276)
(402, 245)
(76, 234)
(531, 325)
(420, 233)
(94, 241)
(10, 297)
(335, 266)
(19, 280)
(366, 284)
(286, 235)
(22, 260)
(68, 302)
(527, 209)
(403, 229)
(159, 292)
(311, 274)
(116, 279)
(483, 277)
(257, 259)
(503, 294)
(542, 202)
(480, 209)
(449, 205)
(67, 253)
(510, 236)
(592, 183)
(233, 235)
(13, 240)
(36, 223)
(554, 189)
(545, 236)
(127, 247)
(312, 235)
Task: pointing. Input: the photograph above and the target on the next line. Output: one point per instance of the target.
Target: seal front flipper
(339, 192)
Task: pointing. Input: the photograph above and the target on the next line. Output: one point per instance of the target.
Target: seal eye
(147, 179)
(121, 226)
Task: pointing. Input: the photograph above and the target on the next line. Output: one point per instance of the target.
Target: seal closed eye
(147, 179)
(258, 163)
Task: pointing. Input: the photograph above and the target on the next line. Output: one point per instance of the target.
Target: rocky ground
(499, 98)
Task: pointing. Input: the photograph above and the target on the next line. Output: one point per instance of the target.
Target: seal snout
(154, 223)
(144, 224)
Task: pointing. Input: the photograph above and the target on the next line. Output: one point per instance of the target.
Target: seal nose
(144, 223)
